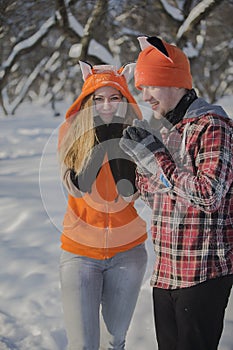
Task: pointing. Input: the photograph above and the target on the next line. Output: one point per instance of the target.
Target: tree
(42, 43)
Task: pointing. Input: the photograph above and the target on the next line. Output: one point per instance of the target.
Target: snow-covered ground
(32, 205)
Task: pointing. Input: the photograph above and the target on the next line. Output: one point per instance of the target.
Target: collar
(176, 115)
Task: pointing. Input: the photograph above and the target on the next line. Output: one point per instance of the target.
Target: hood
(104, 75)
(200, 107)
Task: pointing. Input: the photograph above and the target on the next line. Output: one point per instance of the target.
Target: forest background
(42, 41)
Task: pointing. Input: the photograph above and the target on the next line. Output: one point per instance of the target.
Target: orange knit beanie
(161, 64)
(104, 75)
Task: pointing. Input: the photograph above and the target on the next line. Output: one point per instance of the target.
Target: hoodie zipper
(106, 233)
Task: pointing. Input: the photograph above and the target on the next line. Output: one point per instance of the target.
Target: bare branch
(63, 19)
(61, 8)
(23, 47)
(99, 9)
(198, 13)
(10, 108)
(187, 7)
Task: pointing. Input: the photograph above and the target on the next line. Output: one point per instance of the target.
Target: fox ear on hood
(158, 44)
(127, 71)
(86, 69)
(145, 41)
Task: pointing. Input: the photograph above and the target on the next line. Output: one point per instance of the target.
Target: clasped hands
(141, 143)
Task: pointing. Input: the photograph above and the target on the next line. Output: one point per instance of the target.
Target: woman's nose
(106, 104)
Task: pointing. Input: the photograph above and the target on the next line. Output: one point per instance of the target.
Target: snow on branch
(197, 13)
(28, 43)
(174, 12)
(95, 49)
(10, 107)
(75, 25)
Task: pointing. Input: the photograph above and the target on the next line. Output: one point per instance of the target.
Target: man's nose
(146, 96)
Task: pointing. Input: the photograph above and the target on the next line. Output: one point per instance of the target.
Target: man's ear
(86, 69)
(128, 71)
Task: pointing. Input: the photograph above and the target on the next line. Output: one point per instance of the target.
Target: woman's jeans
(113, 283)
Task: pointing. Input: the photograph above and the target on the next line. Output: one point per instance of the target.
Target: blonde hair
(76, 146)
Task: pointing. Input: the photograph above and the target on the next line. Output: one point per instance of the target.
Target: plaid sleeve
(207, 178)
(145, 189)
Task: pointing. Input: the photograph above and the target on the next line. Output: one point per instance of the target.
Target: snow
(23, 88)
(172, 11)
(94, 49)
(194, 13)
(27, 43)
(32, 204)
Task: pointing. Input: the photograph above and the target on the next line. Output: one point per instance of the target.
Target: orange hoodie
(102, 223)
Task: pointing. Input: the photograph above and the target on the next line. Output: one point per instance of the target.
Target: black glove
(141, 142)
(83, 183)
(86, 178)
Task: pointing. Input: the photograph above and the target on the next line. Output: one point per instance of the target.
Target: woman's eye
(98, 99)
(116, 99)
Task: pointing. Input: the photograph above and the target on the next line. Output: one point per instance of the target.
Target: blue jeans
(113, 284)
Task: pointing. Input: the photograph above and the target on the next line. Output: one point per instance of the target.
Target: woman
(104, 258)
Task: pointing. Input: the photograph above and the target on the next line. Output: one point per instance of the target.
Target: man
(185, 174)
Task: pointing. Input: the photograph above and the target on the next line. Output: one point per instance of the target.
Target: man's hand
(141, 143)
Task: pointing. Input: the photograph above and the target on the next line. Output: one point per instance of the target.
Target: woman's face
(106, 101)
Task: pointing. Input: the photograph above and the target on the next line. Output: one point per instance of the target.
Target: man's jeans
(191, 318)
(113, 283)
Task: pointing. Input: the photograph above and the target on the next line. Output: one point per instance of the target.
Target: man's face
(162, 99)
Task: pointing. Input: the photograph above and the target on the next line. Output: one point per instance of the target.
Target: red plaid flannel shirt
(192, 200)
